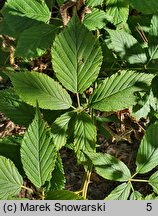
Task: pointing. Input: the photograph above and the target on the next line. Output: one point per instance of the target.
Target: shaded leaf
(14, 108)
(33, 86)
(10, 148)
(109, 167)
(38, 153)
(62, 195)
(29, 12)
(117, 92)
(127, 47)
(10, 179)
(153, 181)
(148, 150)
(76, 56)
(153, 38)
(34, 41)
(84, 136)
(60, 128)
(144, 105)
(58, 178)
(121, 192)
(147, 7)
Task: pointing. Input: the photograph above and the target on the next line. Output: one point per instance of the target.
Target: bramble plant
(99, 63)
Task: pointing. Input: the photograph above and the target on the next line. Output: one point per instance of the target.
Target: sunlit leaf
(38, 153)
(34, 86)
(118, 91)
(118, 9)
(76, 56)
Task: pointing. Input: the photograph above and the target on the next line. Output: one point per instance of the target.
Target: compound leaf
(76, 56)
(10, 179)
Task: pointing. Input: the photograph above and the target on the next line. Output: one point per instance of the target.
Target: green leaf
(34, 41)
(10, 148)
(62, 195)
(38, 153)
(33, 86)
(14, 108)
(109, 167)
(60, 129)
(84, 136)
(143, 107)
(93, 3)
(97, 19)
(10, 179)
(135, 195)
(151, 197)
(58, 178)
(22, 14)
(147, 7)
(118, 9)
(127, 47)
(121, 192)
(153, 181)
(76, 56)
(153, 38)
(148, 150)
(117, 92)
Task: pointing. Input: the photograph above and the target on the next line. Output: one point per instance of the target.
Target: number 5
(149, 206)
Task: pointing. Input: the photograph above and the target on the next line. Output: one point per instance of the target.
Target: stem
(86, 181)
(131, 186)
(139, 180)
(26, 188)
(78, 100)
(43, 195)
